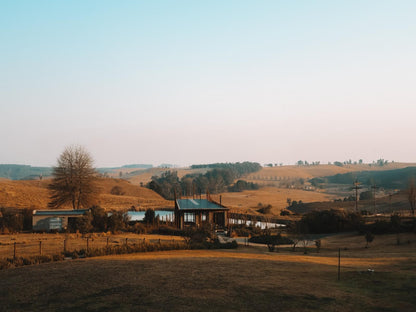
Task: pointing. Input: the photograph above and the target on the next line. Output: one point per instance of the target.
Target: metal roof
(60, 212)
(197, 204)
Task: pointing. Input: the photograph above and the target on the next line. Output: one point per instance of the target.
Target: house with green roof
(195, 212)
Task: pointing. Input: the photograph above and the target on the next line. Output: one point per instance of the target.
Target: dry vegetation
(307, 172)
(28, 244)
(34, 194)
(277, 197)
(247, 279)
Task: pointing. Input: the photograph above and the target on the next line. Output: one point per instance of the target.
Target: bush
(265, 239)
(329, 221)
(117, 221)
(117, 190)
(285, 213)
(149, 216)
(366, 195)
(265, 209)
(168, 230)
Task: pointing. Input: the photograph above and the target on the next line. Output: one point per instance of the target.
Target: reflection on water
(260, 224)
(168, 215)
(164, 215)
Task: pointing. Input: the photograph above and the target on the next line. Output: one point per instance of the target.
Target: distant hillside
(389, 179)
(132, 166)
(23, 172)
(35, 194)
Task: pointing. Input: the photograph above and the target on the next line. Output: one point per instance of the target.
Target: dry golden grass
(34, 194)
(307, 172)
(246, 279)
(277, 197)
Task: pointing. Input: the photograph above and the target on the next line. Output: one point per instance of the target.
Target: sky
(192, 82)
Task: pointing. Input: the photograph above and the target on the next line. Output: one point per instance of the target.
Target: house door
(219, 218)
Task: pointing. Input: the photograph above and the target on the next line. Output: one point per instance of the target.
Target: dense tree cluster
(238, 169)
(219, 179)
(242, 185)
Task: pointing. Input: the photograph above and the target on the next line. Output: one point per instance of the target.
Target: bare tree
(74, 179)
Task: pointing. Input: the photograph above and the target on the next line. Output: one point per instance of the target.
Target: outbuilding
(54, 220)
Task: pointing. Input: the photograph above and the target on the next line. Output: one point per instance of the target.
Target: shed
(54, 220)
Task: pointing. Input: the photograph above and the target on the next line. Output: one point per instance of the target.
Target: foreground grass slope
(248, 279)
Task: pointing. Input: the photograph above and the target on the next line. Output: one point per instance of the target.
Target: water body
(260, 224)
(168, 215)
(164, 215)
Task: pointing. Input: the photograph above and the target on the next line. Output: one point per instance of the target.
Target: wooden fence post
(88, 243)
(40, 248)
(107, 243)
(14, 251)
(64, 244)
(126, 241)
(339, 264)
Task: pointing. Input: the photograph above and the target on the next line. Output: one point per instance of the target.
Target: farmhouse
(197, 211)
(54, 220)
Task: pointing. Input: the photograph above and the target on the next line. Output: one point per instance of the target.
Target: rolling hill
(34, 194)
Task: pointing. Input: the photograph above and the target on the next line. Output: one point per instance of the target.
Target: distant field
(277, 197)
(281, 173)
(246, 279)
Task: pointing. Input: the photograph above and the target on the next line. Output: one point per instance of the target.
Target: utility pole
(339, 264)
(374, 187)
(356, 187)
(391, 208)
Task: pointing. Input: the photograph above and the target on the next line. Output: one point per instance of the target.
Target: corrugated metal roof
(60, 212)
(197, 204)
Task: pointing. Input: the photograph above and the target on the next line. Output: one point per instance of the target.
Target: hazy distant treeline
(238, 169)
(389, 179)
(23, 172)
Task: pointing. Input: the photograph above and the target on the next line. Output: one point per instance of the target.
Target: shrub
(329, 221)
(264, 239)
(117, 190)
(265, 209)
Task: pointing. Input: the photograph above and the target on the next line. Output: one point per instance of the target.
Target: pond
(164, 215)
(260, 224)
(168, 215)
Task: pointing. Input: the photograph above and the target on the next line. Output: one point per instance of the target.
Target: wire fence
(48, 246)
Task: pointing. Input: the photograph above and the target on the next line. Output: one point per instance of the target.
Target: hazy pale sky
(190, 82)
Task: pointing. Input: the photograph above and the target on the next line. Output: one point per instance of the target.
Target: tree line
(221, 178)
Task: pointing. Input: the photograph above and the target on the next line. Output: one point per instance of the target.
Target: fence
(56, 244)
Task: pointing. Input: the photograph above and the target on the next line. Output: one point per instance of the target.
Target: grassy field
(246, 279)
(248, 201)
(306, 172)
(34, 194)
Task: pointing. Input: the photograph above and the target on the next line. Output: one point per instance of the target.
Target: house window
(204, 217)
(189, 217)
